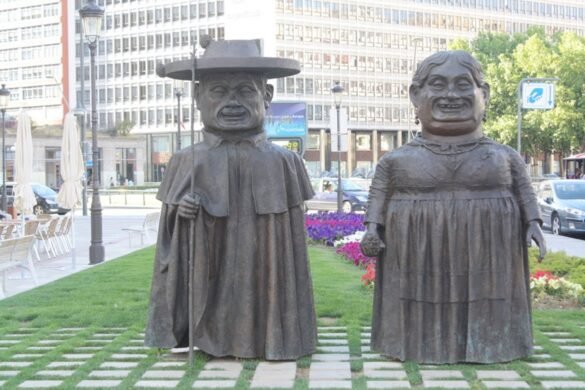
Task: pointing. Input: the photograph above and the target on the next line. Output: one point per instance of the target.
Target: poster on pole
(286, 125)
(540, 96)
(342, 127)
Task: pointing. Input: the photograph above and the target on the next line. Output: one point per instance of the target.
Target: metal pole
(96, 249)
(339, 189)
(3, 161)
(178, 120)
(519, 141)
(81, 104)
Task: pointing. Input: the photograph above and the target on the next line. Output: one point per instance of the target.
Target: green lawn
(115, 294)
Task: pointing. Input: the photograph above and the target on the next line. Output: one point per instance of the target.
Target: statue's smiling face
(233, 101)
(450, 101)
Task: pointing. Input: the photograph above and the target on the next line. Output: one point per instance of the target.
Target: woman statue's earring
(416, 120)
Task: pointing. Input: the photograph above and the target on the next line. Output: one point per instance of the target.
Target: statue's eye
(464, 84)
(218, 90)
(245, 90)
(437, 84)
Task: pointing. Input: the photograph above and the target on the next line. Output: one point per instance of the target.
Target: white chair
(16, 252)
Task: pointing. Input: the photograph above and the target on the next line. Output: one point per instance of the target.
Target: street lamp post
(4, 97)
(178, 94)
(337, 91)
(91, 17)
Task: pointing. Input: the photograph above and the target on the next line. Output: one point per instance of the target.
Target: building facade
(370, 46)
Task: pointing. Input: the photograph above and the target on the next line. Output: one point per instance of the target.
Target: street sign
(538, 96)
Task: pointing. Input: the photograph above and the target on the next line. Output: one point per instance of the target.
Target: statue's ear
(485, 89)
(414, 94)
(268, 94)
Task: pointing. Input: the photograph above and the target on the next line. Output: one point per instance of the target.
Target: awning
(578, 156)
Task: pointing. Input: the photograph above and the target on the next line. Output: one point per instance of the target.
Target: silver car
(562, 205)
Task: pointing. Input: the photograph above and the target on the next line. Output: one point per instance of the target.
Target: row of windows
(376, 38)
(145, 118)
(27, 33)
(164, 15)
(322, 87)
(363, 113)
(29, 13)
(29, 73)
(30, 53)
(363, 141)
(143, 42)
(357, 11)
(318, 60)
(37, 92)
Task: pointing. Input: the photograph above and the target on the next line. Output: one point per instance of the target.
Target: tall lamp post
(178, 94)
(4, 97)
(337, 91)
(91, 18)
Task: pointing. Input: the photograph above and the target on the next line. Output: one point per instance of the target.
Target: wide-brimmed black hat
(231, 56)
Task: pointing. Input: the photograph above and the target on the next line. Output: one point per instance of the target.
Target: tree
(506, 60)
(122, 128)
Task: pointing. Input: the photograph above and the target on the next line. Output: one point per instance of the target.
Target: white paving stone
(161, 384)
(128, 356)
(223, 374)
(222, 365)
(320, 328)
(272, 383)
(59, 373)
(371, 356)
(163, 374)
(88, 349)
(32, 384)
(336, 349)
(8, 373)
(217, 384)
(581, 364)
(119, 365)
(325, 357)
(336, 366)
(541, 356)
(447, 384)
(332, 334)
(109, 373)
(49, 342)
(563, 384)
(65, 364)
(78, 356)
(9, 342)
(106, 335)
(69, 329)
(556, 333)
(37, 348)
(135, 341)
(386, 374)
(27, 355)
(332, 342)
(497, 374)
(382, 365)
(366, 348)
(553, 374)
(440, 374)
(15, 364)
(546, 365)
(573, 347)
(565, 341)
(506, 384)
(167, 364)
(98, 341)
(2, 383)
(329, 384)
(388, 385)
(538, 348)
(99, 383)
(577, 356)
(136, 348)
(15, 335)
(328, 375)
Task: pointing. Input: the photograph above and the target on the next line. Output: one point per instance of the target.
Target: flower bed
(544, 285)
(325, 228)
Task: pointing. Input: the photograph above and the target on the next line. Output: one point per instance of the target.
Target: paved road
(573, 245)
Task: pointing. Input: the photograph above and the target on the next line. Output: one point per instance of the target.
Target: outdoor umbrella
(24, 197)
(72, 169)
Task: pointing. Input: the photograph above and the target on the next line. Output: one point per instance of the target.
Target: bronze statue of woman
(450, 216)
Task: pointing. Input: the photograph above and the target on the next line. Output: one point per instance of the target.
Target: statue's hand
(371, 243)
(189, 206)
(535, 233)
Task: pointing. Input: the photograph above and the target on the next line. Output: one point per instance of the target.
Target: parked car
(46, 199)
(562, 205)
(355, 198)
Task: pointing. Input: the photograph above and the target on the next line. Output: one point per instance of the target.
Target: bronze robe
(252, 286)
(453, 283)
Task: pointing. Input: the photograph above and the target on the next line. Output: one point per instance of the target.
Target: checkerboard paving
(115, 358)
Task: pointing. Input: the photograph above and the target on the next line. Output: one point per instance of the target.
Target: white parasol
(24, 197)
(72, 167)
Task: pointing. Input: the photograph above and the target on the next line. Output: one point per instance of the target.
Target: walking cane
(192, 221)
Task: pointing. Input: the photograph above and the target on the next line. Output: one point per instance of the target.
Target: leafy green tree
(507, 59)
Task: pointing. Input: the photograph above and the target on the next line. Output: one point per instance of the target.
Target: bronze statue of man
(252, 285)
(450, 215)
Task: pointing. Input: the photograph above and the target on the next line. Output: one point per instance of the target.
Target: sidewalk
(115, 240)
